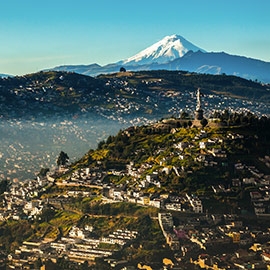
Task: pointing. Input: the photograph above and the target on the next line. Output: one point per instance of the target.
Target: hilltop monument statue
(198, 107)
(199, 111)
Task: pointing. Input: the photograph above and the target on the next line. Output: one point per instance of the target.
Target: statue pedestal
(199, 114)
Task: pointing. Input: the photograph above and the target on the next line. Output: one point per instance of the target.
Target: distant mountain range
(176, 53)
(5, 75)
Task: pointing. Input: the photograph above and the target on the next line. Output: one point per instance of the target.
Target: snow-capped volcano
(176, 53)
(165, 50)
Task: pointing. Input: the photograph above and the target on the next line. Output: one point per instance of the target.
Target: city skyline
(40, 35)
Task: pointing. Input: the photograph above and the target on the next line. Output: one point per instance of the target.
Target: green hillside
(180, 81)
(139, 173)
(144, 93)
(193, 167)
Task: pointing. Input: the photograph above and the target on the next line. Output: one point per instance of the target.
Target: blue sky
(35, 35)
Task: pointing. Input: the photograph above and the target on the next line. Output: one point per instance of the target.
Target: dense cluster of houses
(172, 102)
(241, 246)
(22, 196)
(79, 246)
(204, 232)
(258, 182)
(22, 200)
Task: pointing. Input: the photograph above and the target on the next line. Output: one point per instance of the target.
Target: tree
(109, 140)
(184, 115)
(122, 69)
(47, 214)
(4, 185)
(62, 159)
(100, 144)
(204, 122)
(43, 172)
(189, 123)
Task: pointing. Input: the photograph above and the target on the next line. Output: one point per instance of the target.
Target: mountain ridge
(163, 55)
(202, 62)
(133, 93)
(5, 75)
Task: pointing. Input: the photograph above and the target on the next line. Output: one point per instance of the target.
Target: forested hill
(153, 93)
(160, 141)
